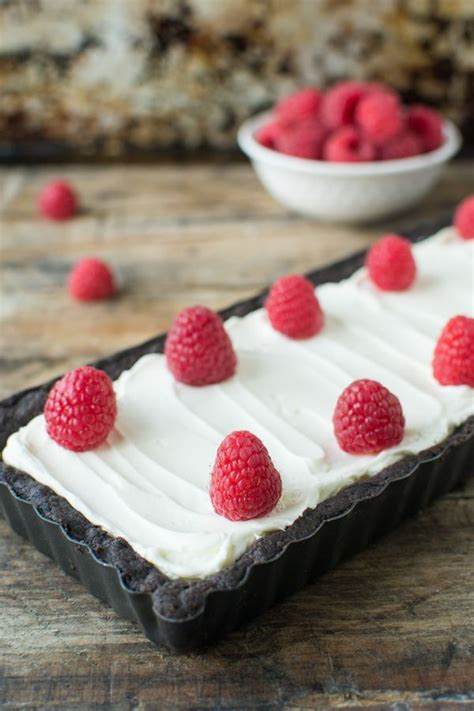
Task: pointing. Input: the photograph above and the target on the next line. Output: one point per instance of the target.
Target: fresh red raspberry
(347, 145)
(81, 409)
(453, 361)
(428, 126)
(293, 308)
(244, 481)
(304, 140)
(58, 200)
(267, 135)
(379, 115)
(198, 349)
(91, 279)
(368, 418)
(405, 145)
(390, 263)
(464, 218)
(299, 106)
(340, 102)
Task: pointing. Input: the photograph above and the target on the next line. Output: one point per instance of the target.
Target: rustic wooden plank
(178, 235)
(391, 629)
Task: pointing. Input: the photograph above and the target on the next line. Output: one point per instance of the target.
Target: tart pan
(187, 614)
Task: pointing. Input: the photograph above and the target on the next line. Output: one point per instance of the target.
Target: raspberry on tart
(198, 349)
(91, 279)
(58, 200)
(347, 145)
(81, 409)
(368, 418)
(390, 263)
(464, 218)
(293, 308)
(244, 481)
(453, 359)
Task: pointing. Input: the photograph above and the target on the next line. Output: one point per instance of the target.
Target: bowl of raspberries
(352, 153)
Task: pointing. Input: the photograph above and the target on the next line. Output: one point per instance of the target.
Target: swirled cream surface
(149, 483)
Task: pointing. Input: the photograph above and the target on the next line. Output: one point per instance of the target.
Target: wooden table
(391, 629)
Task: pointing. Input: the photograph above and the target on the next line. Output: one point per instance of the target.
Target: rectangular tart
(189, 589)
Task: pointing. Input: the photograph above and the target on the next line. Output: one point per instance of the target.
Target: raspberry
(299, 106)
(405, 145)
(453, 360)
(379, 115)
(293, 308)
(81, 409)
(91, 280)
(303, 140)
(57, 200)
(267, 134)
(346, 145)
(244, 481)
(339, 103)
(368, 418)
(464, 218)
(390, 263)
(428, 126)
(198, 349)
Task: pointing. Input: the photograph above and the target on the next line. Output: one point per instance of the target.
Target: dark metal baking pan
(184, 615)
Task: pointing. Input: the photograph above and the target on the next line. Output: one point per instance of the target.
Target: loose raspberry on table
(244, 481)
(347, 145)
(91, 279)
(453, 360)
(299, 106)
(81, 409)
(390, 263)
(58, 200)
(427, 124)
(368, 418)
(304, 140)
(340, 102)
(293, 308)
(379, 115)
(405, 145)
(198, 349)
(267, 134)
(464, 218)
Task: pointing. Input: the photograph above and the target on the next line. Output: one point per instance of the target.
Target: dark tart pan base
(182, 614)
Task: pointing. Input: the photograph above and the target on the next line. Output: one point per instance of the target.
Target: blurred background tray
(95, 78)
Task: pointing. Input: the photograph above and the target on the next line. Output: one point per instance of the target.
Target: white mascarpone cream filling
(149, 483)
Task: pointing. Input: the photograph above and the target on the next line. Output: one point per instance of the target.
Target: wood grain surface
(391, 629)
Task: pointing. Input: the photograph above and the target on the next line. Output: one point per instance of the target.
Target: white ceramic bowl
(346, 192)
